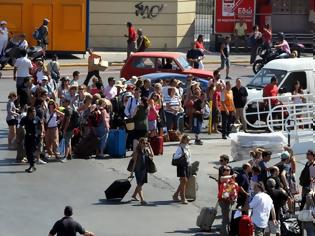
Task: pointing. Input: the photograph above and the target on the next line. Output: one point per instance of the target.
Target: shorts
(225, 61)
(272, 228)
(152, 125)
(12, 122)
(197, 126)
(67, 137)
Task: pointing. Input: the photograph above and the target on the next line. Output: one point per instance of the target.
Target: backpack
(95, 118)
(146, 41)
(74, 120)
(246, 226)
(37, 34)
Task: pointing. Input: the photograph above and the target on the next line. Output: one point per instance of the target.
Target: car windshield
(183, 62)
(264, 76)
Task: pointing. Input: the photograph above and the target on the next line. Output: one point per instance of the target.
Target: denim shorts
(225, 61)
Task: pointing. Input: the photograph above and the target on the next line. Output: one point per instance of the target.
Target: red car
(142, 63)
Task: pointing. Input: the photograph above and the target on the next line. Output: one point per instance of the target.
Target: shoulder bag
(182, 161)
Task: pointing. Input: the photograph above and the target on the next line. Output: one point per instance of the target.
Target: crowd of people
(267, 191)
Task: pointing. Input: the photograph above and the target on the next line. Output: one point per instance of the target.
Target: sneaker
(228, 78)
(224, 137)
(63, 160)
(40, 161)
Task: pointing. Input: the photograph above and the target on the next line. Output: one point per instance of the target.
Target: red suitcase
(157, 145)
(246, 226)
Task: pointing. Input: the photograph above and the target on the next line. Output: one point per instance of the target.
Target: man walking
(240, 97)
(225, 53)
(67, 226)
(92, 71)
(132, 39)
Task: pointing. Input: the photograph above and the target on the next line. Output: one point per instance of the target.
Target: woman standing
(140, 157)
(102, 129)
(153, 116)
(182, 151)
(85, 111)
(227, 110)
(11, 119)
(172, 109)
(63, 89)
(51, 132)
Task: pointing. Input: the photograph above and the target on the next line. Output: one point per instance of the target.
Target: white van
(287, 71)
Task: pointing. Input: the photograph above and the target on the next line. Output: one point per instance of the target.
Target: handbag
(305, 216)
(182, 161)
(130, 165)
(150, 166)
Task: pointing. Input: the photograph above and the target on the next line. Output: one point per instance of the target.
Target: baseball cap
(284, 155)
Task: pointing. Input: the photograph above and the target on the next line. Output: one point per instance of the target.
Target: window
(167, 64)
(264, 77)
(287, 85)
(144, 62)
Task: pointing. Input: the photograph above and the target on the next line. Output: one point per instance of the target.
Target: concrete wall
(171, 28)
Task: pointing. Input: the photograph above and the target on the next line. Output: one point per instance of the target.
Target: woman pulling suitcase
(140, 157)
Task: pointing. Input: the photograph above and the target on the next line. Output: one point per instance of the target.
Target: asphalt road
(31, 203)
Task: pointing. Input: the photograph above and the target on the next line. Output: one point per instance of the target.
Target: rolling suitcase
(157, 145)
(86, 147)
(116, 143)
(191, 189)
(246, 226)
(118, 189)
(207, 217)
(234, 223)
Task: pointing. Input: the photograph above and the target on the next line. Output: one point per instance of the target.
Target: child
(11, 119)
(76, 77)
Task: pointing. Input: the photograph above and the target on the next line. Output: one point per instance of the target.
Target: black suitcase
(118, 189)
(86, 147)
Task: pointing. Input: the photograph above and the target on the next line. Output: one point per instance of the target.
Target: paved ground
(30, 203)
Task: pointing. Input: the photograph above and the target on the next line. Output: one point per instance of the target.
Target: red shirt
(199, 45)
(267, 37)
(216, 100)
(132, 34)
(270, 91)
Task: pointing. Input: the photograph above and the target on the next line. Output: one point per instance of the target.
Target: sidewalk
(117, 59)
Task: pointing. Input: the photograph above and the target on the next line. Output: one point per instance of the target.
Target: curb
(79, 64)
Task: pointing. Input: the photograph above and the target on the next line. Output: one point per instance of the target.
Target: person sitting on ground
(67, 226)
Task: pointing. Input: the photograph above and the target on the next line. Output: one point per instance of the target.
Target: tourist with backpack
(41, 35)
(53, 68)
(143, 41)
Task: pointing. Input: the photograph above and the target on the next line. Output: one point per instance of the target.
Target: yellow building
(169, 24)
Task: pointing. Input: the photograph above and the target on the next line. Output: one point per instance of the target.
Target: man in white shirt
(21, 70)
(110, 91)
(262, 206)
(132, 103)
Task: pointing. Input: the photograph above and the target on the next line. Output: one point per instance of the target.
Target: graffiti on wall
(148, 12)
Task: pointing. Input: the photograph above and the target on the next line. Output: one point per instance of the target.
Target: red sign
(227, 12)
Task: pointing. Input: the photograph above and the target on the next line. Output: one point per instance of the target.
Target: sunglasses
(221, 160)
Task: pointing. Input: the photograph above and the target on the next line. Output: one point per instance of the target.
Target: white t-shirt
(23, 65)
(261, 205)
(51, 119)
(40, 75)
(110, 92)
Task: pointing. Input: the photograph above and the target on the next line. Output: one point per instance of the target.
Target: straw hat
(119, 84)
(133, 80)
